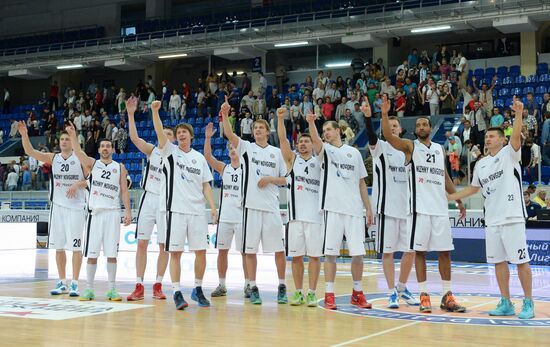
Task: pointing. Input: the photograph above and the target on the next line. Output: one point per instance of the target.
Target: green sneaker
(255, 296)
(297, 299)
(112, 295)
(87, 296)
(311, 300)
(528, 309)
(504, 308)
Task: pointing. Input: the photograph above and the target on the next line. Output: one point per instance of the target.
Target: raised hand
(281, 111)
(70, 129)
(225, 108)
(517, 106)
(209, 131)
(22, 128)
(310, 117)
(385, 107)
(155, 105)
(131, 105)
(365, 108)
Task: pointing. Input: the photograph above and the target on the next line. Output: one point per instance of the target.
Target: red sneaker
(329, 301)
(137, 294)
(157, 292)
(358, 299)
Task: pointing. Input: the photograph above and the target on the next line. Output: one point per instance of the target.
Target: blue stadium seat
(479, 73)
(532, 79)
(500, 103)
(528, 90)
(541, 90)
(490, 71)
(544, 78)
(520, 80)
(516, 91)
(515, 71)
(506, 81)
(502, 70)
(504, 92)
(542, 68)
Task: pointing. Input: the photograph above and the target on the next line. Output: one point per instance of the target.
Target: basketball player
(304, 234)
(108, 186)
(343, 196)
(498, 177)
(188, 185)
(263, 173)
(231, 215)
(68, 207)
(149, 213)
(389, 190)
(428, 223)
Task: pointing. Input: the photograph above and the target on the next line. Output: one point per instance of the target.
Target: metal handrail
(355, 18)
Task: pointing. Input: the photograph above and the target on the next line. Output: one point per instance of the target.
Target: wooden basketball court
(26, 276)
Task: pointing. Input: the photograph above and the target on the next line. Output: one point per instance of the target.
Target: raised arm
(29, 149)
(85, 161)
(474, 84)
(288, 155)
(227, 128)
(515, 138)
(125, 195)
(315, 138)
(367, 112)
(142, 145)
(157, 123)
(210, 159)
(403, 145)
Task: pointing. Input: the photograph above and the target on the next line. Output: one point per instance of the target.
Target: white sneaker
(60, 288)
(74, 290)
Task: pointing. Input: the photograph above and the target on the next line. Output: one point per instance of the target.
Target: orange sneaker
(137, 294)
(358, 299)
(329, 301)
(425, 303)
(157, 292)
(448, 303)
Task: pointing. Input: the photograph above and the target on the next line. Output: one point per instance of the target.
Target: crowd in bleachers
(424, 84)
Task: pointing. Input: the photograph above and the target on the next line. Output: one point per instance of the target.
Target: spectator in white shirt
(388, 88)
(333, 93)
(341, 109)
(248, 101)
(11, 181)
(13, 129)
(263, 86)
(1, 136)
(319, 92)
(174, 105)
(431, 95)
(246, 127)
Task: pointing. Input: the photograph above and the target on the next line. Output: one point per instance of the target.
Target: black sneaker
(281, 294)
(198, 296)
(180, 301)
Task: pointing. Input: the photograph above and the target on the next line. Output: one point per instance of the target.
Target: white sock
(198, 283)
(329, 287)
(401, 286)
(159, 279)
(446, 286)
(301, 291)
(222, 281)
(175, 286)
(252, 284)
(311, 290)
(357, 286)
(139, 280)
(423, 287)
(111, 274)
(90, 271)
(281, 281)
(246, 282)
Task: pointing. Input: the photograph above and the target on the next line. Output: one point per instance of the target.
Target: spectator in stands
(6, 109)
(350, 120)
(43, 101)
(273, 138)
(11, 180)
(403, 67)
(174, 104)
(212, 82)
(445, 68)
(92, 86)
(186, 93)
(122, 138)
(321, 78)
(447, 99)
(496, 119)
(246, 127)
(545, 139)
(224, 76)
(532, 207)
(486, 93)
(532, 124)
(90, 146)
(424, 59)
(1, 136)
(280, 76)
(469, 133)
(347, 133)
(411, 103)
(262, 87)
(531, 106)
(306, 107)
(535, 160)
(341, 108)
(26, 180)
(333, 94)
(359, 116)
(13, 129)
(430, 96)
(319, 92)
(540, 199)
(400, 104)
(528, 161)
(246, 84)
(328, 109)
(2, 174)
(412, 58)
(273, 102)
(248, 100)
(54, 95)
(357, 65)
(507, 128)
(473, 152)
(389, 89)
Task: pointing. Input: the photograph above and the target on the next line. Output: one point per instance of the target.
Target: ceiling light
(339, 64)
(169, 56)
(68, 67)
(430, 29)
(292, 44)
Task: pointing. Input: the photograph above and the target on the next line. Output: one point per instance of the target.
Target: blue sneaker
(408, 297)
(528, 309)
(393, 300)
(180, 301)
(73, 292)
(60, 288)
(255, 296)
(198, 296)
(281, 294)
(504, 308)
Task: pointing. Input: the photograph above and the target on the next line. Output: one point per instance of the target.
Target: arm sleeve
(370, 132)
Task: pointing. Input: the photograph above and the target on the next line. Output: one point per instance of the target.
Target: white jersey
(152, 174)
(162, 189)
(66, 172)
(389, 188)
(427, 180)
(304, 182)
(231, 210)
(104, 184)
(499, 178)
(259, 162)
(342, 169)
(186, 173)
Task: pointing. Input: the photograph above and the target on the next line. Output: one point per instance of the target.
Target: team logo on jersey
(194, 161)
(312, 165)
(497, 160)
(114, 170)
(73, 162)
(95, 192)
(300, 188)
(436, 152)
(348, 155)
(272, 156)
(421, 180)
